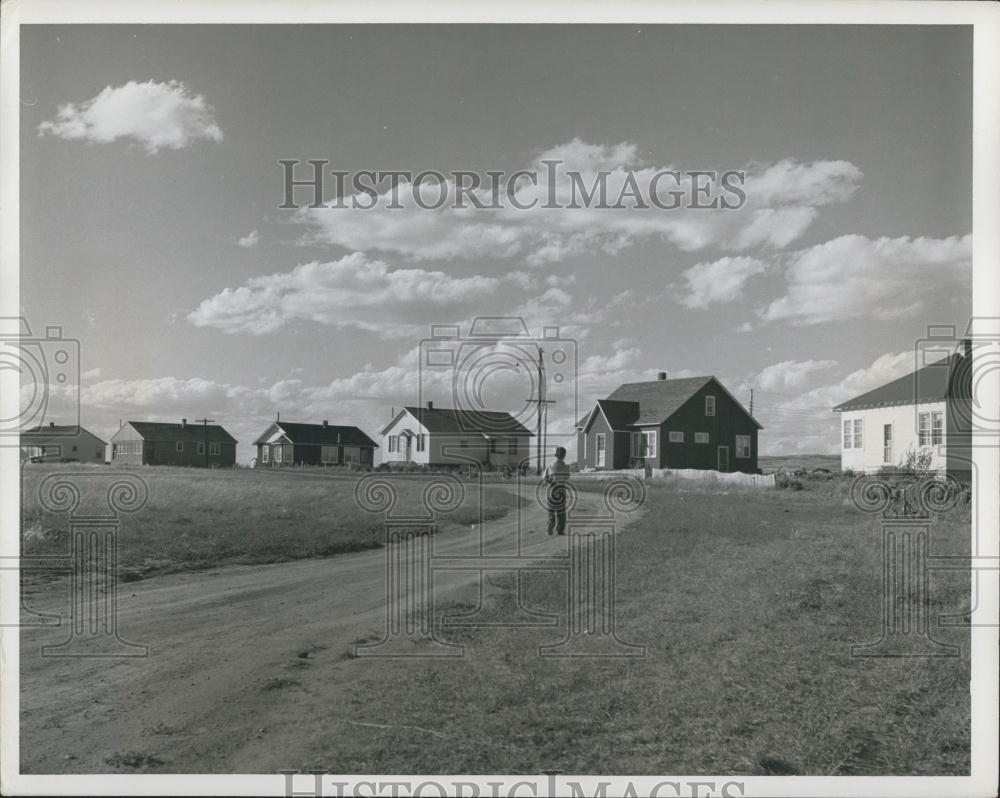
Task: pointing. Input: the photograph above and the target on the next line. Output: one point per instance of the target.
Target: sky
(150, 226)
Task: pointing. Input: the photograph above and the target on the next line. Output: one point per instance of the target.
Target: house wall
(312, 454)
(451, 448)
(165, 452)
(730, 420)
(82, 447)
(904, 420)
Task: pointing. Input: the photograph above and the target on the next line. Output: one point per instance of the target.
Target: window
(98, 453)
(636, 444)
(601, 445)
(328, 454)
(649, 444)
(701, 437)
(201, 448)
(852, 433)
(676, 437)
(74, 448)
(709, 405)
(179, 446)
(392, 443)
(742, 445)
(930, 428)
(215, 447)
(493, 446)
(937, 428)
(265, 453)
(420, 443)
(887, 443)
(512, 446)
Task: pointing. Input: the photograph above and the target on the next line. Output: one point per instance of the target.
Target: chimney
(184, 423)
(326, 423)
(430, 405)
(277, 417)
(661, 376)
(967, 347)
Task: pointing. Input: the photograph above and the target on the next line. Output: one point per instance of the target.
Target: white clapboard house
(445, 437)
(927, 412)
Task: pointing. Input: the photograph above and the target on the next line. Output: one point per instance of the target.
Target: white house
(62, 443)
(927, 412)
(442, 436)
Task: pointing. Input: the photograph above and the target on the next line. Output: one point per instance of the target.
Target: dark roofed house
(690, 422)
(287, 443)
(164, 443)
(443, 436)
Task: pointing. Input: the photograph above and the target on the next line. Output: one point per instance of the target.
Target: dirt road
(222, 643)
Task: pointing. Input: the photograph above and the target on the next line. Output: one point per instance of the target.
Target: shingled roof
(163, 431)
(319, 435)
(636, 404)
(443, 419)
(928, 384)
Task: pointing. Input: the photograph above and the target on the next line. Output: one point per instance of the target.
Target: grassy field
(795, 462)
(196, 519)
(747, 602)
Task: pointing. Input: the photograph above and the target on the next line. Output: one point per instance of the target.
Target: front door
(600, 449)
(724, 459)
(409, 447)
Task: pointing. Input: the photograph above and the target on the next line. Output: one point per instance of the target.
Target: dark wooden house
(692, 422)
(286, 443)
(161, 443)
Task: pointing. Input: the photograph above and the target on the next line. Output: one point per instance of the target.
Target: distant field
(793, 462)
(198, 519)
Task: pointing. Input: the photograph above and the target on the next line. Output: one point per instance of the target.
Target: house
(441, 437)
(63, 444)
(284, 443)
(692, 422)
(161, 443)
(926, 413)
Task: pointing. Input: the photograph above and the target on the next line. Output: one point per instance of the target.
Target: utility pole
(204, 426)
(543, 412)
(751, 401)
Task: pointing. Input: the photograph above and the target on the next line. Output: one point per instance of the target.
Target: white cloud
(782, 201)
(251, 239)
(790, 374)
(854, 277)
(718, 281)
(156, 115)
(351, 292)
(91, 374)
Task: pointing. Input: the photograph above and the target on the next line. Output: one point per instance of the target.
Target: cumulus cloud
(854, 277)
(354, 291)
(718, 281)
(251, 239)
(791, 374)
(782, 201)
(156, 115)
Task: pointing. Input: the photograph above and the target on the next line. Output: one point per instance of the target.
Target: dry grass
(748, 603)
(198, 519)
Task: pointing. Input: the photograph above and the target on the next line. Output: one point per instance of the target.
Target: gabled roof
(318, 434)
(486, 422)
(659, 399)
(618, 413)
(163, 431)
(44, 431)
(928, 384)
